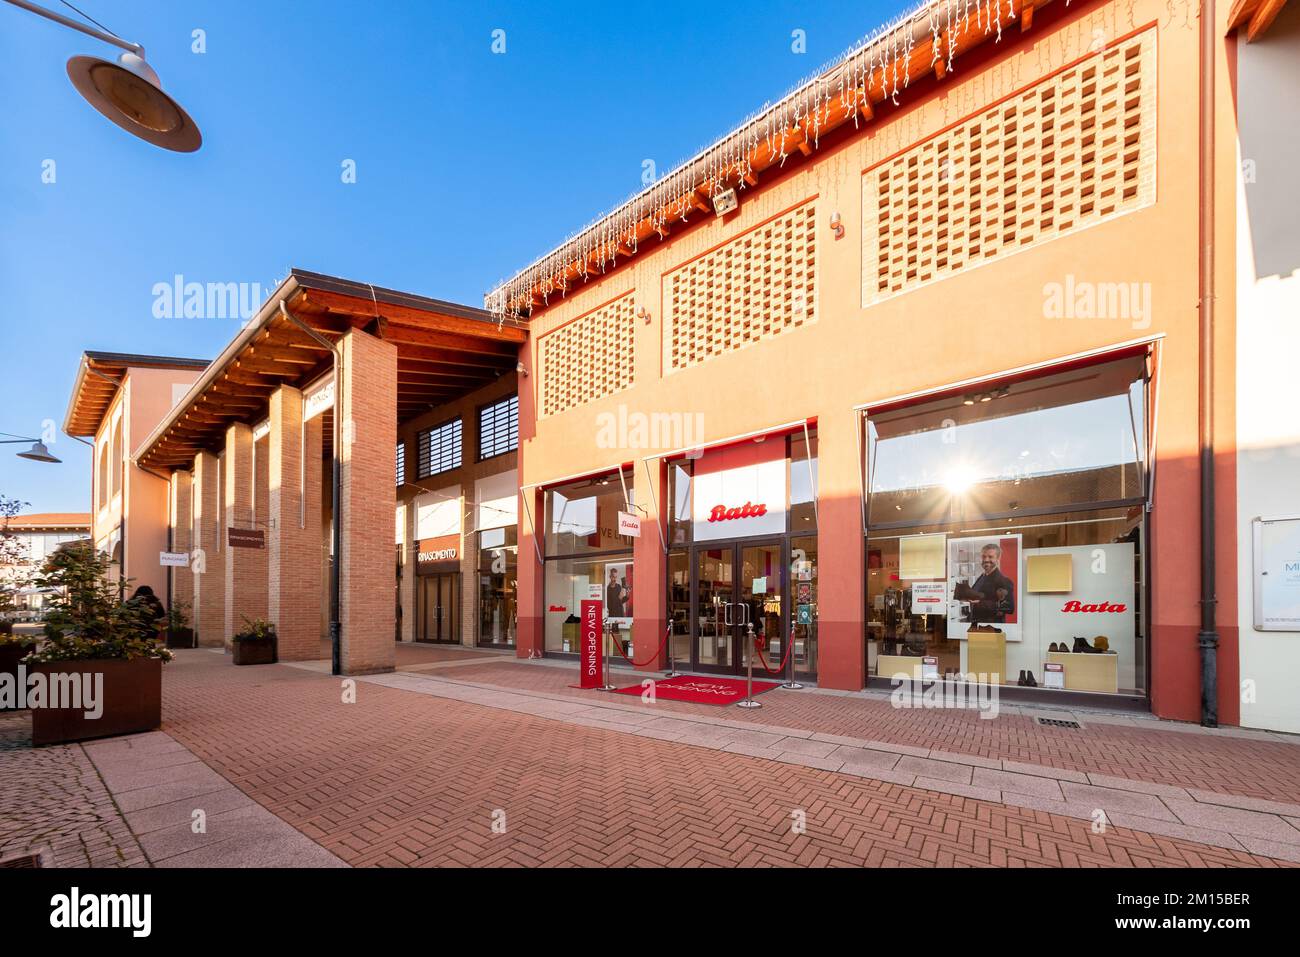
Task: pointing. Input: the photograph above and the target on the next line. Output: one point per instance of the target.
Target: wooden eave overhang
(444, 350)
(99, 377)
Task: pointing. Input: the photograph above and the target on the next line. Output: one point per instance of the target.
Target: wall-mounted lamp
(519, 367)
(643, 314)
(837, 225)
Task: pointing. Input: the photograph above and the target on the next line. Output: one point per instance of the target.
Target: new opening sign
(589, 644)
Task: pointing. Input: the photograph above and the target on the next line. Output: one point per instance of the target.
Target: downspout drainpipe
(1208, 637)
(171, 544)
(336, 516)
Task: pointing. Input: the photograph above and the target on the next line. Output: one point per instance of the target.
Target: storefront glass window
(1007, 534)
(498, 561)
(582, 517)
(569, 582)
(1074, 438)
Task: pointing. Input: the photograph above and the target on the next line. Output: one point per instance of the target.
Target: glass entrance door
(738, 586)
(438, 601)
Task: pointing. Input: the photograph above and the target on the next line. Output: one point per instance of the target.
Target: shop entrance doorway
(437, 599)
(736, 585)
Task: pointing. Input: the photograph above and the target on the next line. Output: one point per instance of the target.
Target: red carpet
(701, 690)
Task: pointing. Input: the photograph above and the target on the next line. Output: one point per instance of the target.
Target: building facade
(32, 538)
(903, 376)
(926, 369)
(116, 400)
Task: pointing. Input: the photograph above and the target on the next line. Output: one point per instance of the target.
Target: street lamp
(37, 453)
(128, 92)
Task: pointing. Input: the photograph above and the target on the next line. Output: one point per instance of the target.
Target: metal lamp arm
(79, 26)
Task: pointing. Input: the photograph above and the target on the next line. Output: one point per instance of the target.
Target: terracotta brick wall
(245, 568)
(294, 574)
(368, 403)
(181, 517)
(207, 572)
(470, 471)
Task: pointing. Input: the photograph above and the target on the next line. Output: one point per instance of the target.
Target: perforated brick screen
(1069, 152)
(756, 286)
(590, 357)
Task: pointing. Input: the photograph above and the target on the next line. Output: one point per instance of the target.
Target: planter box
(131, 700)
(253, 651)
(10, 655)
(181, 638)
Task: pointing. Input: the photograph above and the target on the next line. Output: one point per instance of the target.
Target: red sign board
(589, 644)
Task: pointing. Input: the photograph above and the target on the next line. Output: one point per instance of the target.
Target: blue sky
(469, 163)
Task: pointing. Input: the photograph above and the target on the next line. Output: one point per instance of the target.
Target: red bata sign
(589, 644)
(720, 513)
(1077, 608)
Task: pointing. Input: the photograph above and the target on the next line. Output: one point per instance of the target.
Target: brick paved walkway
(53, 802)
(1252, 764)
(402, 778)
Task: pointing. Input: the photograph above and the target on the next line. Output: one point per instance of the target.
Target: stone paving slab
(159, 791)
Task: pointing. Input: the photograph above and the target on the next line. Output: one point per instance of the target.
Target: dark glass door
(739, 589)
(438, 599)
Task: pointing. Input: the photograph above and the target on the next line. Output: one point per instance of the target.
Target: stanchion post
(609, 662)
(749, 701)
(672, 660)
(790, 683)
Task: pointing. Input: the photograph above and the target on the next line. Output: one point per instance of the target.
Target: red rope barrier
(759, 642)
(619, 645)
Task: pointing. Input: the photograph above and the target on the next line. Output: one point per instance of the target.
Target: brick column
(293, 536)
(650, 572)
(468, 563)
(841, 643)
(531, 642)
(245, 567)
(367, 401)
(207, 560)
(181, 519)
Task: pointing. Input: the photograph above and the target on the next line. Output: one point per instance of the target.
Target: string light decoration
(876, 69)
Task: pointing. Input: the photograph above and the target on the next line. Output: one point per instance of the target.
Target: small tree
(13, 562)
(85, 618)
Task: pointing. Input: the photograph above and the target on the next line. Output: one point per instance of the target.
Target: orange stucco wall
(975, 323)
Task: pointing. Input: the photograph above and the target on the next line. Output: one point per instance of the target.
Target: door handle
(726, 615)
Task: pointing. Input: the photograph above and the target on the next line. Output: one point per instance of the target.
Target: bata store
(1006, 529)
(742, 556)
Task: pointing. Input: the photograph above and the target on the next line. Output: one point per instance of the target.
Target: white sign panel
(318, 400)
(497, 497)
(174, 559)
(929, 598)
(738, 502)
(629, 525)
(1277, 574)
(438, 513)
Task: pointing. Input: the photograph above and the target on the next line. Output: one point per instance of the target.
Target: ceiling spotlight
(128, 91)
(986, 397)
(725, 202)
(968, 401)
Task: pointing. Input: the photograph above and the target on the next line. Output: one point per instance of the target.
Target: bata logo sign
(720, 513)
(1078, 607)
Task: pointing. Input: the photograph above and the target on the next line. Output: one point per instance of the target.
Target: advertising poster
(984, 586)
(618, 594)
